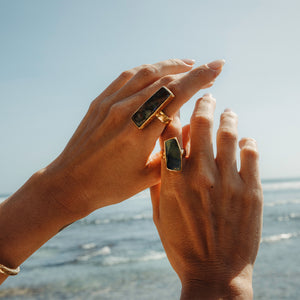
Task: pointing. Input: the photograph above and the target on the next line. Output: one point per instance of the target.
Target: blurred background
(57, 56)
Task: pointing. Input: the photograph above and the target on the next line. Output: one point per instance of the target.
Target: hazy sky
(56, 56)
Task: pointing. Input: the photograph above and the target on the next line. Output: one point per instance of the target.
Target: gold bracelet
(8, 271)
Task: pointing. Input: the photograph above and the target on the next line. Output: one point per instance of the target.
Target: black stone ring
(153, 108)
(173, 155)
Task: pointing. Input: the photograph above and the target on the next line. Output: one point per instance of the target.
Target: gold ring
(153, 108)
(161, 116)
(173, 155)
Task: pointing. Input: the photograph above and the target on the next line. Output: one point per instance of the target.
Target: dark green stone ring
(153, 108)
(173, 155)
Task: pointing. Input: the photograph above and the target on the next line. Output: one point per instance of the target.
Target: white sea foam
(279, 237)
(153, 255)
(116, 260)
(282, 202)
(101, 252)
(281, 185)
(291, 216)
(88, 246)
(121, 219)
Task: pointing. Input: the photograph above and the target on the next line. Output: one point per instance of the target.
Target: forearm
(28, 219)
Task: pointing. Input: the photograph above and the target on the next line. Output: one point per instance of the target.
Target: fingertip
(187, 61)
(216, 65)
(207, 95)
(228, 116)
(248, 142)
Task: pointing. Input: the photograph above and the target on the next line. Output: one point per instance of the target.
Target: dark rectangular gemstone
(173, 155)
(153, 105)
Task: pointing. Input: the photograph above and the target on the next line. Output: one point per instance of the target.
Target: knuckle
(227, 135)
(250, 152)
(255, 195)
(166, 79)
(201, 120)
(175, 61)
(206, 181)
(199, 72)
(93, 105)
(203, 179)
(125, 75)
(202, 74)
(148, 71)
(116, 112)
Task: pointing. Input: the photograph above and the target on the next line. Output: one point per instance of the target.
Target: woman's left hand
(108, 158)
(106, 161)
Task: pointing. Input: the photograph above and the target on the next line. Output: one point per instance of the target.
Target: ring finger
(227, 142)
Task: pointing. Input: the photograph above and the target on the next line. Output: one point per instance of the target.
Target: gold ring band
(161, 116)
(9, 271)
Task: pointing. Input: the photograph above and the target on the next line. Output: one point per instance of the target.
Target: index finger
(185, 87)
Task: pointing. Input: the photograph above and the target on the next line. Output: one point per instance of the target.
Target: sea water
(115, 253)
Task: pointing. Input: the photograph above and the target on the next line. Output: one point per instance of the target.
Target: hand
(108, 159)
(209, 215)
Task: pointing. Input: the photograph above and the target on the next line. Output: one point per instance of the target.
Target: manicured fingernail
(188, 61)
(217, 64)
(250, 142)
(227, 110)
(207, 95)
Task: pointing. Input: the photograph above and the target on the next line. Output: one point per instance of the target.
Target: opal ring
(173, 155)
(153, 108)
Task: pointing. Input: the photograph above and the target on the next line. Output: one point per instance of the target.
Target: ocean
(116, 253)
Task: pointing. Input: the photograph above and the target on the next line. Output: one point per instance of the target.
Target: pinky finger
(249, 170)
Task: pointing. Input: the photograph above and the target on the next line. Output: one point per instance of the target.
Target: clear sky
(56, 56)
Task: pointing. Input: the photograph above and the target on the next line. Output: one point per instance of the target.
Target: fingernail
(207, 95)
(217, 64)
(188, 61)
(227, 110)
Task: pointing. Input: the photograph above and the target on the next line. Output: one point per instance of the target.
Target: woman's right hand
(209, 215)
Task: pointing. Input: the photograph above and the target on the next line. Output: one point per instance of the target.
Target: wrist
(29, 218)
(236, 288)
(64, 191)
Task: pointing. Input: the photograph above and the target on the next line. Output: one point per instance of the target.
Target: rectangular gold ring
(156, 103)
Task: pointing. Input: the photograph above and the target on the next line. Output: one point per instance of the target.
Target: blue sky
(56, 56)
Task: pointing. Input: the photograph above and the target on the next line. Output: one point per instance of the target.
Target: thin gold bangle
(9, 271)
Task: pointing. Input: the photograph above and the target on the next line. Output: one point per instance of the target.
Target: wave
(291, 216)
(279, 237)
(116, 260)
(100, 252)
(282, 202)
(271, 186)
(138, 217)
